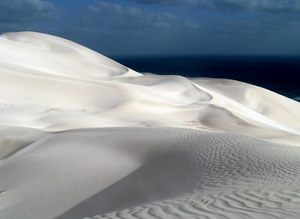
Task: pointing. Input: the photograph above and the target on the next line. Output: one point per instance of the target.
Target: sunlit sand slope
(82, 136)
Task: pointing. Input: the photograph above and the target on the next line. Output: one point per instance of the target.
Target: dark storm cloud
(13, 12)
(256, 5)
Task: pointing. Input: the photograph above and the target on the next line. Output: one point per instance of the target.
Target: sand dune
(85, 137)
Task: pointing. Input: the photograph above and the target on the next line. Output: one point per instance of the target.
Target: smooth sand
(82, 136)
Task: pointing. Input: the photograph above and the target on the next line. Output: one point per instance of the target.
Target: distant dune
(85, 137)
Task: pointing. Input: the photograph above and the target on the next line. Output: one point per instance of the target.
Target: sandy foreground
(82, 136)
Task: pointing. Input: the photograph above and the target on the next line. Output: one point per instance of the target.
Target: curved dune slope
(49, 55)
(82, 136)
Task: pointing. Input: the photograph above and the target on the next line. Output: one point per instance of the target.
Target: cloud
(26, 11)
(128, 19)
(255, 5)
(120, 28)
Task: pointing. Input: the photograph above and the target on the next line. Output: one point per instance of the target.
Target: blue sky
(163, 27)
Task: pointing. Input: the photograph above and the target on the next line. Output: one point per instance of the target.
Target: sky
(163, 27)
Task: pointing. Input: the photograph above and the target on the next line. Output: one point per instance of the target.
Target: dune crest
(56, 56)
(100, 140)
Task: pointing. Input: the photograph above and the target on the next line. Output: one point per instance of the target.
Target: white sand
(81, 135)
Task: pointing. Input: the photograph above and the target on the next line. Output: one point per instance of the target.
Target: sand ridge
(39, 90)
(99, 140)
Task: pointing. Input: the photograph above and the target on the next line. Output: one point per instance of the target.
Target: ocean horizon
(276, 73)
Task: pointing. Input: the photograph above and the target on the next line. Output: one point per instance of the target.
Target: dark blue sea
(277, 73)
